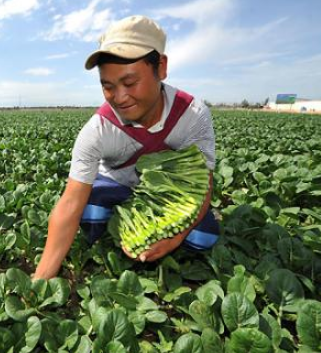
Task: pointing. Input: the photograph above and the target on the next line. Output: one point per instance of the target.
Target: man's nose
(120, 95)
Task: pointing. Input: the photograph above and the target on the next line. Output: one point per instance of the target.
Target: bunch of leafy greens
(172, 189)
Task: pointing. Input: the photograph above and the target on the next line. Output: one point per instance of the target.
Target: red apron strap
(152, 142)
(181, 102)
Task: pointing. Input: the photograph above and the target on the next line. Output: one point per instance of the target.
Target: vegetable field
(257, 291)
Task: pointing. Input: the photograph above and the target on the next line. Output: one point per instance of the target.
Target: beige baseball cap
(130, 38)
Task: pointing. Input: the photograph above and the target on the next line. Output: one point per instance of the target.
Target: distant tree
(206, 102)
(245, 103)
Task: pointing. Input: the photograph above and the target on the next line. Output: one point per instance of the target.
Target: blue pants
(107, 193)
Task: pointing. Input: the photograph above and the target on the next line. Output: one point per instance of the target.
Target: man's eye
(129, 84)
(107, 87)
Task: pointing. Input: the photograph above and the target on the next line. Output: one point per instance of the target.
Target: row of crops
(258, 290)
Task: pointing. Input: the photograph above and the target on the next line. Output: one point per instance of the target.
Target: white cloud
(199, 11)
(9, 8)
(14, 93)
(60, 56)
(39, 71)
(86, 24)
(57, 17)
(312, 59)
(267, 79)
(253, 57)
(207, 32)
(212, 38)
(206, 35)
(194, 85)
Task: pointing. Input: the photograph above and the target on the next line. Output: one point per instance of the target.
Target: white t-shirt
(100, 147)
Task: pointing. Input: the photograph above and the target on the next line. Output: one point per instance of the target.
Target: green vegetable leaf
(100, 289)
(68, 333)
(128, 283)
(127, 301)
(271, 328)
(241, 283)
(238, 311)
(28, 334)
(138, 320)
(189, 343)
(196, 271)
(249, 340)
(116, 347)
(19, 282)
(115, 263)
(17, 309)
(156, 316)
(59, 291)
(7, 340)
(209, 292)
(148, 285)
(146, 304)
(309, 324)
(115, 326)
(284, 289)
(202, 314)
(211, 341)
(84, 345)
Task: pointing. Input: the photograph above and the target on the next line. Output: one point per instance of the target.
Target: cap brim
(126, 51)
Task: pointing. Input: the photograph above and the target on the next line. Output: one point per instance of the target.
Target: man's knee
(205, 235)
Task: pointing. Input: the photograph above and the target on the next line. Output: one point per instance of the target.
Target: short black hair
(152, 58)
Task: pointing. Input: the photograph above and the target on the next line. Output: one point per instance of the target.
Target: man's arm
(63, 226)
(165, 246)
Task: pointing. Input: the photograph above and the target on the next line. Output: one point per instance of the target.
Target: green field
(257, 291)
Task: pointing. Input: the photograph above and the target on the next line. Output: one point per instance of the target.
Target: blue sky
(218, 50)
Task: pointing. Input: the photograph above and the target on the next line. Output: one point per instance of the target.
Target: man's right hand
(63, 226)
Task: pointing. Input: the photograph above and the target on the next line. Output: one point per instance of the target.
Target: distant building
(300, 106)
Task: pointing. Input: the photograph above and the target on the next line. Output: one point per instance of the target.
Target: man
(141, 115)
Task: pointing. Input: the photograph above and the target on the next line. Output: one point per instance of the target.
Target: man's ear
(162, 68)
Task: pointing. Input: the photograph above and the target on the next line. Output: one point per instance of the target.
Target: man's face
(134, 90)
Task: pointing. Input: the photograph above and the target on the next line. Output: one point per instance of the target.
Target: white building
(300, 105)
